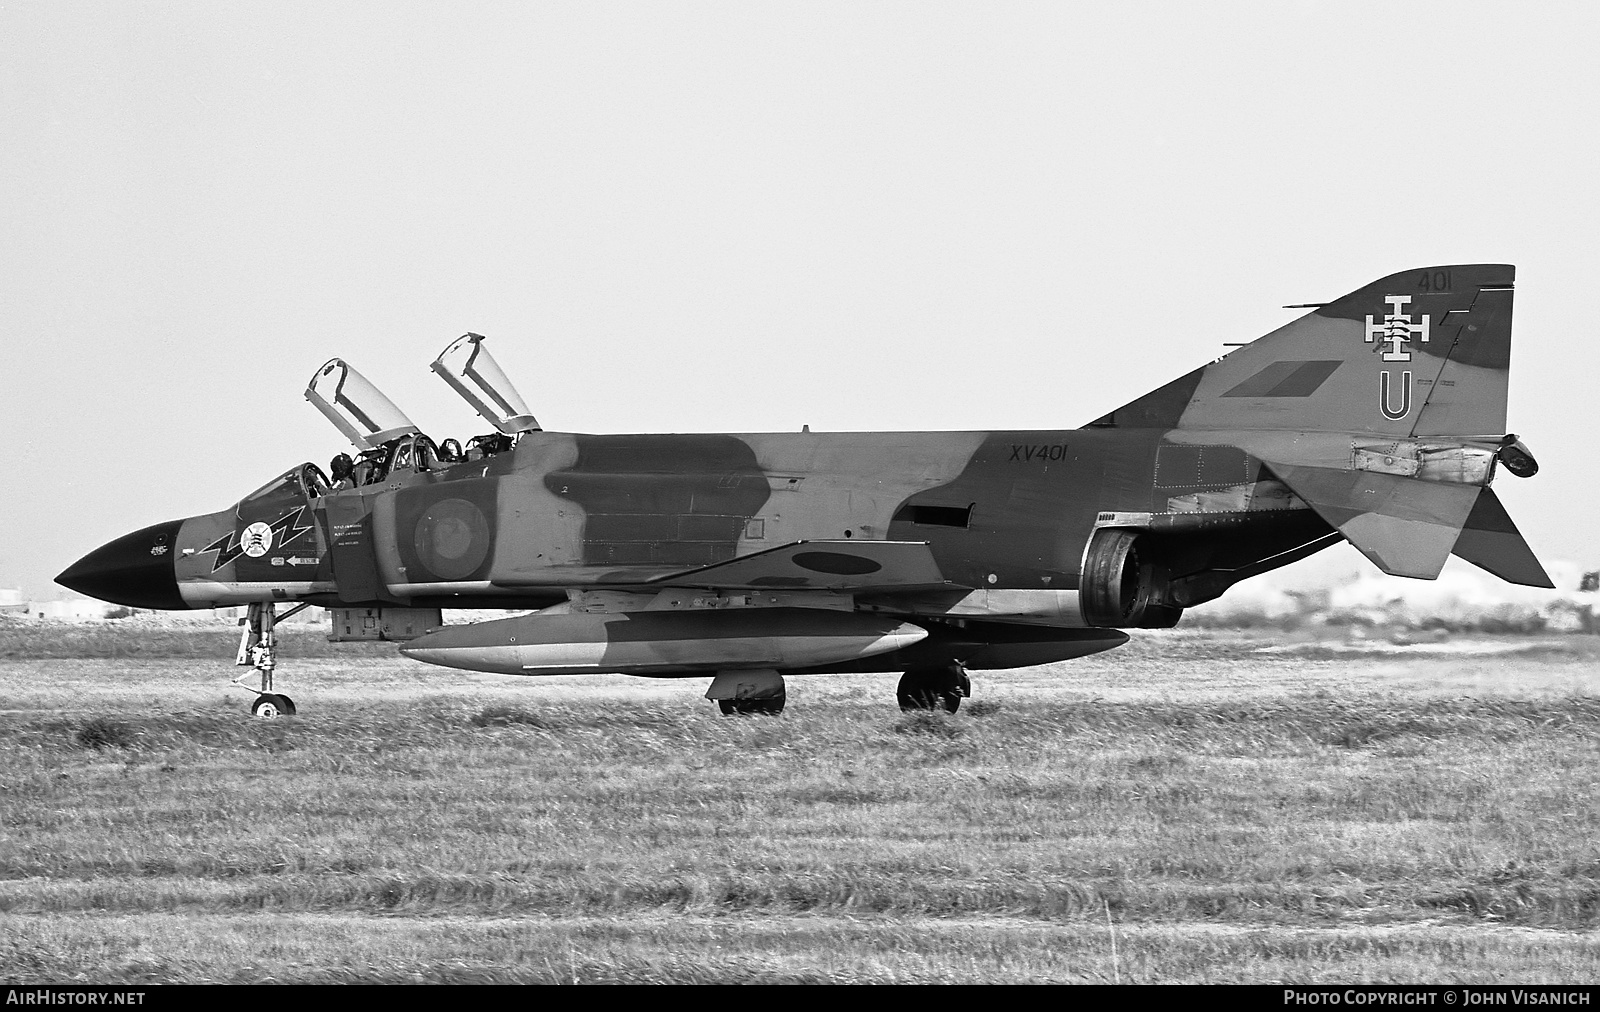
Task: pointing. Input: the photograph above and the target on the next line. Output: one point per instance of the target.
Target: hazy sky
(746, 217)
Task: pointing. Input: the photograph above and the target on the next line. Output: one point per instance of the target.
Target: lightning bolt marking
(285, 529)
(289, 522)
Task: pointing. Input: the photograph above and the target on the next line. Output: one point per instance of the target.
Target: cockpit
(389, 446)
(413, 453)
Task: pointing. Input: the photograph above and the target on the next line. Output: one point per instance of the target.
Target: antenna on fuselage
(473, 373)
(356, 407)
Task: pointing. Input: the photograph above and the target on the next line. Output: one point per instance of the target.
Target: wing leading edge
(821, 565)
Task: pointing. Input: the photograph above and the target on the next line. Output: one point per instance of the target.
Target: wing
(821, 565)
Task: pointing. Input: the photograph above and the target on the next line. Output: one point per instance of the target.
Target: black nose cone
(134, 570)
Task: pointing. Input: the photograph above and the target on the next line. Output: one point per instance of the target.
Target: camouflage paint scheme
(1378, 418)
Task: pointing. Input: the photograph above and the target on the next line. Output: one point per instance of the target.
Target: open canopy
(355, 406)
(474, 374)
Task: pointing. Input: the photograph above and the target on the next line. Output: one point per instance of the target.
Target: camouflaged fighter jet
(1378, 419)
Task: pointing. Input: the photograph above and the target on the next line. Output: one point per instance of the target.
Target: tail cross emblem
(1397, 330)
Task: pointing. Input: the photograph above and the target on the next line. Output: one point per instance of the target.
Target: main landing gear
(748, 693)
(258, 648)
(747, 707)
(940, 688)
(762, 692)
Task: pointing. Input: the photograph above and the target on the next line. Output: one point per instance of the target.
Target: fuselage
(1003, 512)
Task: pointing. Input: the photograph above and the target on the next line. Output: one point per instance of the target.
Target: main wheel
(269, 706)
(769, 706)
(933, 689)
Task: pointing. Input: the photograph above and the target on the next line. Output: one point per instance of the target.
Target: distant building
(11, 601)
(72, 609)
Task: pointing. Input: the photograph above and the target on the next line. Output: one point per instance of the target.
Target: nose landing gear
(258, 648)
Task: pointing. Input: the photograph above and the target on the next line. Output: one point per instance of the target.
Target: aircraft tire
(265, 707)
(270, 706)
(933, 689)
(771, 706)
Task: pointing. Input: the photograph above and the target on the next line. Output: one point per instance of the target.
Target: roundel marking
(256, 539)
(836, 563)
(452, 539)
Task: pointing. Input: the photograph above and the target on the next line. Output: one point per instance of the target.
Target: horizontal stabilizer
(821, 565)
(1405, 526)
(1492, 542)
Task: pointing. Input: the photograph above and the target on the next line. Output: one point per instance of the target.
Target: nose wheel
(270, 705)
(258, 649)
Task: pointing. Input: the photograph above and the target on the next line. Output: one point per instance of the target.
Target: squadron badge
(256, 539)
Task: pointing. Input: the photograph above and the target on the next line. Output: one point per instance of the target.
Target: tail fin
(1421, 353)
(1381, 410)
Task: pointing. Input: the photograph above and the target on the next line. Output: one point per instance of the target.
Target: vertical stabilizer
(1424, 352)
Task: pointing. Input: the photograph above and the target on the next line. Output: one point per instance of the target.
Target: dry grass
(1245, 809)
(648, 948)
(131, 638)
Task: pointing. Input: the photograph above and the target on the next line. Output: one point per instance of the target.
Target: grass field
(1195, 806)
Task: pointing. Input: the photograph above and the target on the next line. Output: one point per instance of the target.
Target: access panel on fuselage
(670, 500)
(348, 520)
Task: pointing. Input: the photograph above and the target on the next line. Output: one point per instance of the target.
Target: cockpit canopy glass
(284, 484)
(474, 374)
(291, 488)
(356, 407)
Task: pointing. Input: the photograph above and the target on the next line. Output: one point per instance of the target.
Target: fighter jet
(1377, 419)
